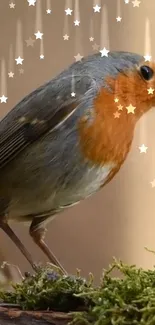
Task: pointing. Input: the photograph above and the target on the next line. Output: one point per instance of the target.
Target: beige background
(120, 220)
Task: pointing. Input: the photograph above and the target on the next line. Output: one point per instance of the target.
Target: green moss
(125, 300)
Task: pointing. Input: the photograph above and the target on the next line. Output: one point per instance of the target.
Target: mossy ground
(125, 300)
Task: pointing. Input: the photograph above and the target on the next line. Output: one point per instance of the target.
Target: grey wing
(42, 111)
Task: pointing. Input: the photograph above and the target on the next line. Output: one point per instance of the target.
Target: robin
(68, 138)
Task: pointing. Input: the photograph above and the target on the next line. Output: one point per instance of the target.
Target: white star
(11, 74)
(66, 37)
(76, 22)
(126, 1)
(97, 8)
(153, 183)
(73, 94)
(68, 11)
(131, 109)
(48, 11)
(78, 57)
(38, 35)
(31, 2)
(12, 5)
(116, 100)
(136, 3)
(118, 18)
(3, 99)
(150, 91)
(104, 52)
(143, 148)
(42, 56)
(91, 39)
(147, 57)
(19, 60)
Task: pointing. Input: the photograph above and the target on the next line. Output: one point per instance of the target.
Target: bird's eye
(146, 72)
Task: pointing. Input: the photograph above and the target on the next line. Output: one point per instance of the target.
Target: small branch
(12, 316)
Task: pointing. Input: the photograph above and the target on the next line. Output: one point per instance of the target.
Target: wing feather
(38, 113)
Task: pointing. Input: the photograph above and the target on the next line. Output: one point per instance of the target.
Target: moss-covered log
(48, 297)
(12, 316)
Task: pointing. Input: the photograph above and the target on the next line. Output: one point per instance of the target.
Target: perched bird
(68, 138)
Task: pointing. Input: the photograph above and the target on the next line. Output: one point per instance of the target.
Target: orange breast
(108, 138)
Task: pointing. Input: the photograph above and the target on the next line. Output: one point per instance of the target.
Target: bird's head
(134, 83)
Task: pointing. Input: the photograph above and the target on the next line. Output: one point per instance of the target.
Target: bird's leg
(38, 235)
(6, 228)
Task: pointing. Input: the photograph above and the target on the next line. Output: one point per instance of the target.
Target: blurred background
(119, 220)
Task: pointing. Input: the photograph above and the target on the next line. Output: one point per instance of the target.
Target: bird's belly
(51, 175)
(41, 201)
(85, 186)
